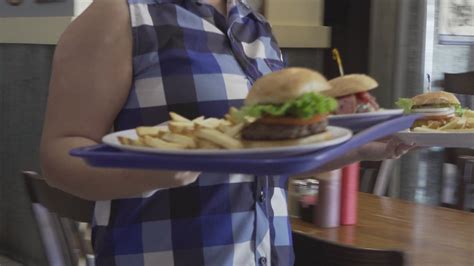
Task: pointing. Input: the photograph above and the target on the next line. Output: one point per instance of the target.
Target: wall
(24, 78)
(29, 8)
(397, 48)
(449, 58)
(350, 24)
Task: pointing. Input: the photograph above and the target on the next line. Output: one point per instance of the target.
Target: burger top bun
(437, 97)
(287, 84)
(350, 84)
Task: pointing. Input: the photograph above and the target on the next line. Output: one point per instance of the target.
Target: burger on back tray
(351, 92)
(438, 108)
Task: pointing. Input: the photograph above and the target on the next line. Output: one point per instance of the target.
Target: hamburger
(287, 108)
(351, 92)
(438, 108)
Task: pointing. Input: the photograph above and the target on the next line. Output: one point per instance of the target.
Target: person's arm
(90, 82)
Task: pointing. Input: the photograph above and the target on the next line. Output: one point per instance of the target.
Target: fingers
(394, 149)
(186, 178)
(398, 148)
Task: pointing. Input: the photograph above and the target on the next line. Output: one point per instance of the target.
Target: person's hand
(185, 178)
(390, 148)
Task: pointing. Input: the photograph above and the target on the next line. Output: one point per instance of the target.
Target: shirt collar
(242, 5)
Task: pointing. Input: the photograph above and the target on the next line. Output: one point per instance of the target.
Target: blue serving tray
(105, 156)
(357, 124)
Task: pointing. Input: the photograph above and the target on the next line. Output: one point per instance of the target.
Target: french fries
(233, 131)
(129, 141)
(208, 145)
(177, 118)
(208, 123)
(189, 142)
(181, 127)
(218, 138)
(198, 133)
(469, 113)
(458, 124)
(149, 131)
(161, 144)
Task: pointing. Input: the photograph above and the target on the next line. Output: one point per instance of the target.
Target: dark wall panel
(24, 78)
(350, 24)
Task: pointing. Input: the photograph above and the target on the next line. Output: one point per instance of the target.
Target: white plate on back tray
(438, 139)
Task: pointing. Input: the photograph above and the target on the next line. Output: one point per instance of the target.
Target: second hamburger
(352, 94)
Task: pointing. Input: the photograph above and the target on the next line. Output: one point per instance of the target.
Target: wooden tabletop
(428, 235)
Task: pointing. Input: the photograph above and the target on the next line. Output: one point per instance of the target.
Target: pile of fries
(199, 133)
(457, 124)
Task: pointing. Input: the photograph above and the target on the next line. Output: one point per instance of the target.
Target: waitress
(124, 64)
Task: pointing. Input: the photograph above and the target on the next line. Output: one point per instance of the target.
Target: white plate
(442, 139)
(381, 112)
(339, 135)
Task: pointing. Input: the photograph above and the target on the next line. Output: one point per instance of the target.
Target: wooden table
(428, 235)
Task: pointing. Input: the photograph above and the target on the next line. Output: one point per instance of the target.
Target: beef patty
(262, 131)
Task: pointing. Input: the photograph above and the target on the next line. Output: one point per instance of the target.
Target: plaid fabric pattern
(190, 59)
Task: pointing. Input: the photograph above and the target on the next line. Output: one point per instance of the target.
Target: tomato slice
(363, 97)
(284, 120)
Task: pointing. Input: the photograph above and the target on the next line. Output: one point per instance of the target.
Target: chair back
(57, 201)
(60, 217)
(459, 83)
(314, 251)
(465, 192)
(375, 177)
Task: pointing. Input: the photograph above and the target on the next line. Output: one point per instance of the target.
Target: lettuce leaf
(306, 106)
(406, 104)
(459, 110)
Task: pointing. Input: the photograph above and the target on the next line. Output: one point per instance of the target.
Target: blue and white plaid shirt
(190, 59)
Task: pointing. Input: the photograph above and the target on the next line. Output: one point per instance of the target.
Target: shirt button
(261, 198)
(263, 261)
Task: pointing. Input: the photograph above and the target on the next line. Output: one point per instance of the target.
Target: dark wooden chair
(314, 252)
(368, 175)
(466, 183)
(461, 84)
(375, 177)
(59, 216)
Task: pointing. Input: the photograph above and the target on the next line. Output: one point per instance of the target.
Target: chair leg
(449, 185)
(383, 177)
(469, 205)
(466, 181)
(48, 225)
(469, 185)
